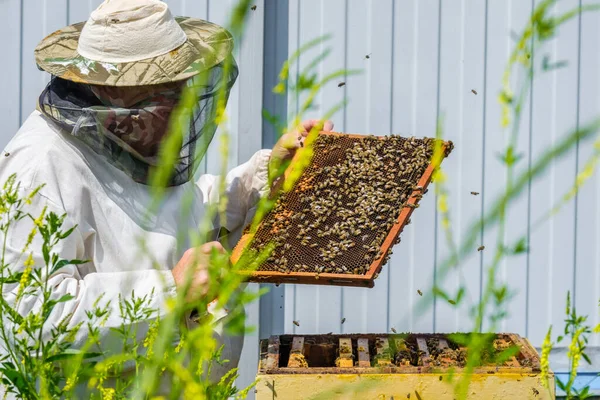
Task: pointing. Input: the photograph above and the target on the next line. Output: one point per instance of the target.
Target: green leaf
(559, 339)
(586, 358)
(462, 339)
(65, 298)
(15, 377)
(7, 308)
(510, 157)
(520, 247)
(548, 66)
(507, 354)
(72, 353)
(439, 292)
(64, 235)
(460, 294)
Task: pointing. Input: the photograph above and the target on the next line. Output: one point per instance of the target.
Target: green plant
(578, 332)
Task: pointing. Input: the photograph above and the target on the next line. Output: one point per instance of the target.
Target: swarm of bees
(342, 208)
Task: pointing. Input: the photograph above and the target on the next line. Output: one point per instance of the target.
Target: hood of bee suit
(123, 76)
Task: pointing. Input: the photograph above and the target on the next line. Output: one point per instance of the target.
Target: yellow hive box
(403, 366)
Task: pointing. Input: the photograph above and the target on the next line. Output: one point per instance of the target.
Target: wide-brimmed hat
(133, 43)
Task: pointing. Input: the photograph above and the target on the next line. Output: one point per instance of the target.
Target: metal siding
(463, 38)
(440, 51)
(587, 279)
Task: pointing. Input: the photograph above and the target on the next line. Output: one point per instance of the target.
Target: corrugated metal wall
(425, 58)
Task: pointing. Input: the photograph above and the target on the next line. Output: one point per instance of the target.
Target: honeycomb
(343, 206)
(398, 350)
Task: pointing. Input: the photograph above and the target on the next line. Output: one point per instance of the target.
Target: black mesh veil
(129, 136)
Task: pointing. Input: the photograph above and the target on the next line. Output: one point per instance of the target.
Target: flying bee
(393, 330)
(419, 291)
(473, 91)
(297, 323)
(341, 84)
(343, 320)
(474, 193)
(368, 56)
(480, 248)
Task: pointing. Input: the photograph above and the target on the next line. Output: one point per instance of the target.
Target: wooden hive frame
(311, 278)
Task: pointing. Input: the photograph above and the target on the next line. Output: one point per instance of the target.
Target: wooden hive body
(414, 366)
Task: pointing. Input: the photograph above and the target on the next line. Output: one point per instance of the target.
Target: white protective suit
(108, 208)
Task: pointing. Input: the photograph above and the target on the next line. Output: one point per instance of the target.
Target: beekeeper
(96, 134)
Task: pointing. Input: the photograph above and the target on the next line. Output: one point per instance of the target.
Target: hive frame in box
(519, 378)
(310, 278)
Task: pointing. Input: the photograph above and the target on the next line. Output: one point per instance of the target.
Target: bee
(473, 91)
(343, 320)
(297, 323)
(253, 8)
(419, 291)
(341, 84)
(368, 56)
(480, 248)
(475, 193)
(393, 330)
(6, 154)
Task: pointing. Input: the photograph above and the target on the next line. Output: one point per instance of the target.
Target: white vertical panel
(499, 45)
(504, 18)
(10, 76)
(513, 270)
(415, 112)
(587, 285)
(39, 20)
(79, 10)
(461, 73)
(552, 244)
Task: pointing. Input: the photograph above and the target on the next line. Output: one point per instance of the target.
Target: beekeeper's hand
(286, 146)
(196, 259)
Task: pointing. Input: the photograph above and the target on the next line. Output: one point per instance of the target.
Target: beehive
(413, 366)
(338, 223)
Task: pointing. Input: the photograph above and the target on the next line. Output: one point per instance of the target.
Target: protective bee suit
(93, 154)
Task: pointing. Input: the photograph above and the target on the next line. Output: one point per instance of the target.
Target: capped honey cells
(342, 208)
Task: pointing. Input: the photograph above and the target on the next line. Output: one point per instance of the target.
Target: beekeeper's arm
(85, 290)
